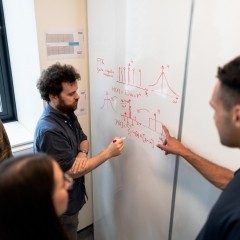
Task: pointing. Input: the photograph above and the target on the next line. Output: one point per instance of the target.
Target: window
(7, 100)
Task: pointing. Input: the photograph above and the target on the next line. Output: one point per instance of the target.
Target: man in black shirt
(224, 219)
(58, 133)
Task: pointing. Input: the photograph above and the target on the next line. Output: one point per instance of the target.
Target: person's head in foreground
(33, 194)
(226, 103)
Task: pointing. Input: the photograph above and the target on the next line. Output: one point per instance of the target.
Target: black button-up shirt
(60, 136)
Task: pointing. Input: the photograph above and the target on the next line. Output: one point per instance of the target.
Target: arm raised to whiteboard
(216, 174)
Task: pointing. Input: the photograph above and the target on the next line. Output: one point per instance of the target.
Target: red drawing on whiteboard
(152, 121)
(131, 77)
(142, 123)
(101, 69)
(127, 115)
(164, 89)
(135, 129)
(108, 102)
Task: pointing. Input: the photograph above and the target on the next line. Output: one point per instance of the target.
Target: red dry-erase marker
(119, 138)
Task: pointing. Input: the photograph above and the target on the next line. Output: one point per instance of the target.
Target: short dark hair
(229, 76)
(26, 206)
(51, 79)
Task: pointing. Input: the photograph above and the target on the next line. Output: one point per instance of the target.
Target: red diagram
(108, 102)
(164, 87)
(152, 123)
(130, 76)
(108, 72)
(136, 126)
(140, 123)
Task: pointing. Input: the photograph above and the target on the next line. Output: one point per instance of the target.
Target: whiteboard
(215, 41)
(137, 52)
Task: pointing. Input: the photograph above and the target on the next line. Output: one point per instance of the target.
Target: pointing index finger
(166, 131)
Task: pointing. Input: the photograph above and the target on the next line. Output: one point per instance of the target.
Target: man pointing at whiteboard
(224, 219)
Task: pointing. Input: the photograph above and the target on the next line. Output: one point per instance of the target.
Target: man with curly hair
(58, 133)
(224, 219)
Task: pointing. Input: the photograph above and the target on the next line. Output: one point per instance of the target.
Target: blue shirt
(60, 136)
(224, 219)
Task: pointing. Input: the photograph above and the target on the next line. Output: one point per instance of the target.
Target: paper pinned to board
(64, 44)
(82, 103)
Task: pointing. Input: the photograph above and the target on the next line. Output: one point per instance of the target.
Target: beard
(66, 109)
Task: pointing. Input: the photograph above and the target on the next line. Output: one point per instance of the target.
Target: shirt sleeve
(82, 136)
(56, 145)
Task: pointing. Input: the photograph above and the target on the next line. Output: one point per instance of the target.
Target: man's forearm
(91, 164)
(114, 149)
(217, 175)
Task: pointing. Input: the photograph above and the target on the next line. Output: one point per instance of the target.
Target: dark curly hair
(26, 206)
(51, 79)
(229, 76)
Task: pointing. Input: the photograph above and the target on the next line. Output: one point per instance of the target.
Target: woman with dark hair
(33, 194)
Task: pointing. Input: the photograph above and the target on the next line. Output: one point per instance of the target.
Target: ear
(236, 115)
(53, 98)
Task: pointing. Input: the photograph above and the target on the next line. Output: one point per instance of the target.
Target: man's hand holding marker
(121, 138)
(115, 147)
